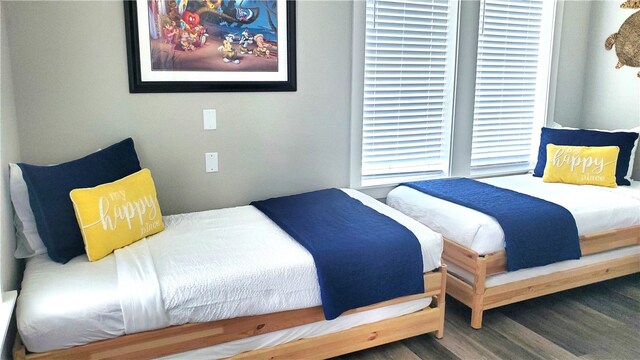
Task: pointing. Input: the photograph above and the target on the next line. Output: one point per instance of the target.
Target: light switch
(211, 162)
(210, 121)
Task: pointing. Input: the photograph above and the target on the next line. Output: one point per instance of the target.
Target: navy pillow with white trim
(579, 137)
(49, 188)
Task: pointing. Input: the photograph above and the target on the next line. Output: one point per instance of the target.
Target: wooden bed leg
(19, 351)
(441, 301)
(476, 312)
(478, 293)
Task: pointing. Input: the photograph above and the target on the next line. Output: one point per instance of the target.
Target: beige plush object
(631, 4)
(627, 39)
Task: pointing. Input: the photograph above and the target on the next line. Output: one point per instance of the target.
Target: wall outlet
(211, 162)
(210, 119)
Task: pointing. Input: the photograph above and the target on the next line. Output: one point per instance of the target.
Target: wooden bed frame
(176, 339)
(479, 297)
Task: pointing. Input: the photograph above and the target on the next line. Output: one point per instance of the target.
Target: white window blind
(408, 89)
(511, 83)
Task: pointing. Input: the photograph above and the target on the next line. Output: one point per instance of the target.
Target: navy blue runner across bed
(536, 232)
(362, 257)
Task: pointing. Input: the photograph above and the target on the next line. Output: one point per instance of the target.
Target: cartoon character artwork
(627, 39)
(200, 36)
(244, 42)
(189, 21)
(262, 47)
(229, 54)
(169, 31)
(206, 36)
(185, 43)
(214, 5)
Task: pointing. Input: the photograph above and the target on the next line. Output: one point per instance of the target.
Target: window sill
(6, 312)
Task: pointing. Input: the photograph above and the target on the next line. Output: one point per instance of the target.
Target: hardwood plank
(617, 334)
(571, 325)
(485, 343)
(393, 351)
(628, 286)
(526, 338)
(610, 303)
(427, 347)
(458, 342)
(619, 352)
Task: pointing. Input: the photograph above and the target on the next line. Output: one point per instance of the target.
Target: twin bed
(220, 283)
(572, 198)
(243, 283)
(608, 222)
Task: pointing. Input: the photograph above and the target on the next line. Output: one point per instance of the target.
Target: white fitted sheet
(594, 208)
(210, 265)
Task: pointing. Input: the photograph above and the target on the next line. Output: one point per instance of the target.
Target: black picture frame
(138, 85)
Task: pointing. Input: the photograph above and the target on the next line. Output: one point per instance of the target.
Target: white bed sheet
(594, 208)
(246, 265)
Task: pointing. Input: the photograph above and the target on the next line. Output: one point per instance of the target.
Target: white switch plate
(211, 162)
(210, 121)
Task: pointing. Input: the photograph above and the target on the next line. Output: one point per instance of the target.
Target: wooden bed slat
(548, 284)
(596, 243)
(354, 339)
(460, 290)
(589, 244)
(175, 339)
(463, 257)
(479, 298)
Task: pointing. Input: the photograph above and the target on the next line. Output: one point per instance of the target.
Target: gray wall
(72, 97)
(572, 42)
(611, 97)
(11, 268)
(591, 93)
(9, 152)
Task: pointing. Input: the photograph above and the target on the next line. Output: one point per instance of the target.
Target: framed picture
(210, 45)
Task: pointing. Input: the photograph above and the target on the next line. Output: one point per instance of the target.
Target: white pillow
(555, 125)
(28, 242)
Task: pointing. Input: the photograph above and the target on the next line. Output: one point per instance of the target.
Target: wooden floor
(600, 321)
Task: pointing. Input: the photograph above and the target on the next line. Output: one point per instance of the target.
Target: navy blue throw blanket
(536, 232)
(362, 257)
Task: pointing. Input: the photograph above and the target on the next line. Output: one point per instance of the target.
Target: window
(408, 89)
(408, 92)
(511, 83)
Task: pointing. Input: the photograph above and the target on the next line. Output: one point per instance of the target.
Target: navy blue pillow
(623, 140)
(49, 188)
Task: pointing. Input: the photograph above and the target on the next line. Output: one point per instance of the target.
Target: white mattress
(210, 265)
(594, 208)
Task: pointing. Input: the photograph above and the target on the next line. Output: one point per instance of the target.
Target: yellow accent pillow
(581, 165)
(117, 214)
